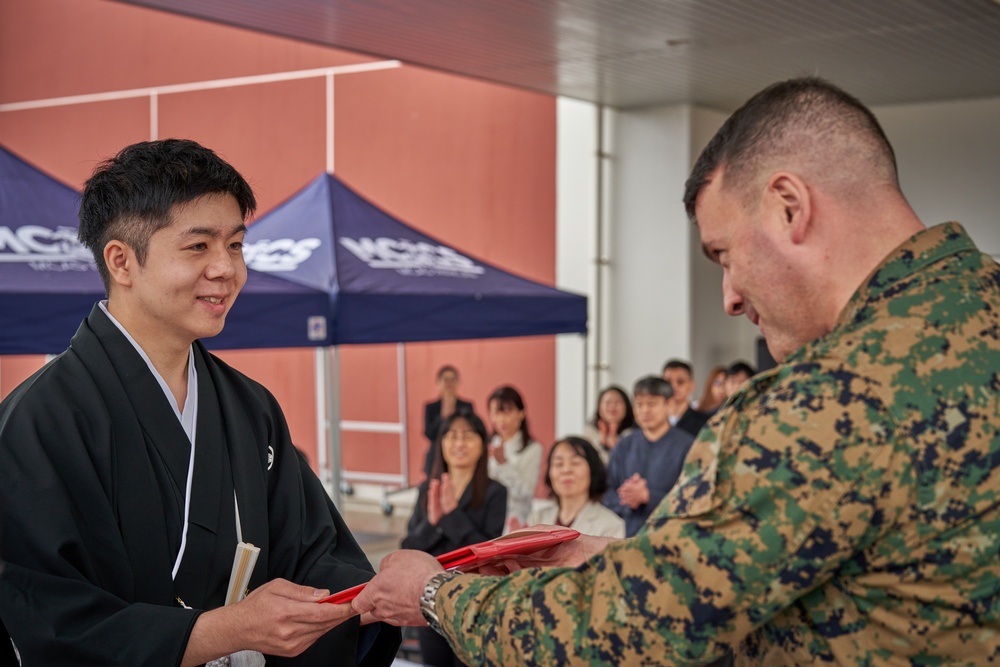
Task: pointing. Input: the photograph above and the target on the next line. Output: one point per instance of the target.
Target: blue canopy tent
(48, 281)
(386, 282)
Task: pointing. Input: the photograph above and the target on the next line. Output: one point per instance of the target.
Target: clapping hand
(441, 499)
(633, 492)
(497, 453)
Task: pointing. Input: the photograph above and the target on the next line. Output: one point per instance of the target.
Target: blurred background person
(515, 458)
(457, 505)
(714, 394)
(646, 463)
(736, 374)
(435, 412)
(577, 480)
(612, 419)
(680, 375)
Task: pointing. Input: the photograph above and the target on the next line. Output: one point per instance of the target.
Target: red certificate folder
(519, 543)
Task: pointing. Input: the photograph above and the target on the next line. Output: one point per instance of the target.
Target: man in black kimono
(134, 462)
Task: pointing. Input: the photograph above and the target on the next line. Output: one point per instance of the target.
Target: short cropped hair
(677, 363)
(820, 126)
(740, 367)
(653, 386)
(130, 196)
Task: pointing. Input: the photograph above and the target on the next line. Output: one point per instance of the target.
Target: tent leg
(332, 378)
(404, 454)
(333, 410)
(322, 423)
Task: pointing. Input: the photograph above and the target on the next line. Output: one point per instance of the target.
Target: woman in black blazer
(459, 505)
(437, 411)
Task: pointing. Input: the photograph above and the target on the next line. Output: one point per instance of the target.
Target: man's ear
(792, 197)
(120, 261)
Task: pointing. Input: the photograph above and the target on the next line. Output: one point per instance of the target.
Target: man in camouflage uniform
(843, 508)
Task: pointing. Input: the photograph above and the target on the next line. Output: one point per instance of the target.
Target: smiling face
(763, 277)
(569, 473)
(611, 407)
(191, 276)
(461, 446)
(505, 419)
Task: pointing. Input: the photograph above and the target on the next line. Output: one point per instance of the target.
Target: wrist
(428, 605)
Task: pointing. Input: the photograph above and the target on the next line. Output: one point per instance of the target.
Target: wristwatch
(427, 606)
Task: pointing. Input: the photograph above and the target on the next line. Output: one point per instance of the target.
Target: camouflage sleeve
(776, 494)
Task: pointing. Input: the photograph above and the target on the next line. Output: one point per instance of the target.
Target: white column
(650, 296)
(576, 219)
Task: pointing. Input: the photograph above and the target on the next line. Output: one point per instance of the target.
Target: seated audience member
(435, 412)
(577, 480)
(515, 458)
(715, 392)
(646, 463)
(612, 419)
(681, 378)
(457, 506)
(738, 373)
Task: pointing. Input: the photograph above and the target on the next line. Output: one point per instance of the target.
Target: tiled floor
(377, 533)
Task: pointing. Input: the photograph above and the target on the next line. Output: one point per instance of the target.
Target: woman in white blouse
(515, 458)
(577, 479)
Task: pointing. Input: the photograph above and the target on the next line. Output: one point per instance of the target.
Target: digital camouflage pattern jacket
(842, 509)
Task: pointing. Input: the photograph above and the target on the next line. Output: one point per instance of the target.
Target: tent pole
(333, 432)
(322, 423)
(404, 454)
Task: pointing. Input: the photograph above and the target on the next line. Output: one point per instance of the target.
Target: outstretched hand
(279, 618)
(393, 596)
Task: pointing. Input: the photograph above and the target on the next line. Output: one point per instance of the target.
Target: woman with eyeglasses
(459, 505)
(715, 391)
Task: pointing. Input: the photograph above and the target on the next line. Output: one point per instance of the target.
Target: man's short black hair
(740, 367)
(653, 386)
(677, 363)
(130, 196)
(808, 117)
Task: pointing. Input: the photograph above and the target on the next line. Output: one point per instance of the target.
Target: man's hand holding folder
(393, 596)
(500, 555)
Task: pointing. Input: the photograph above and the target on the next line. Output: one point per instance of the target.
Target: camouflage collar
(921, 249)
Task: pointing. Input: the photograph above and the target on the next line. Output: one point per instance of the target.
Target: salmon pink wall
(465, 161)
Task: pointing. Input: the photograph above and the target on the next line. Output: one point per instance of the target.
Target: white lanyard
(191, 428)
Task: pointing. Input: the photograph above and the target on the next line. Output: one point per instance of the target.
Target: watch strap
(427, 604)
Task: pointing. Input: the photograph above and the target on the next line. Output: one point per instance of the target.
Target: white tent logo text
(279, 255)
(410, 258)
(45, 249)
